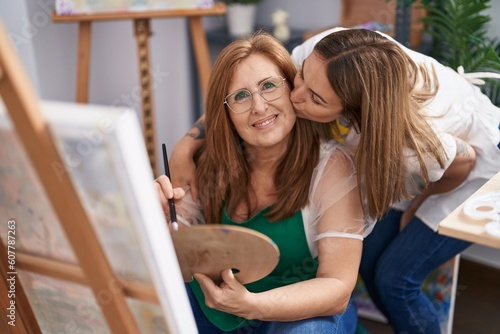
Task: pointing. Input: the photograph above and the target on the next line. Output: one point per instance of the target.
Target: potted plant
(459, 30)
(240, 16)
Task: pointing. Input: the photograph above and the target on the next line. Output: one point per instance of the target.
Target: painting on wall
(103, 151)
(71, 7)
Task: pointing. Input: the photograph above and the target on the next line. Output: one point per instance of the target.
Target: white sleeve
(188, 211)
(335, 178)
(434, 170)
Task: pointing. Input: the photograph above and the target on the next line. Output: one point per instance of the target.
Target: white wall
(494, 24)
(484, 255)
(320, 13)
(48, 52)
(304, 15)
(15, 21)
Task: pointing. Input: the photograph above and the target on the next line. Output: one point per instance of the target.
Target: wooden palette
(209, 249)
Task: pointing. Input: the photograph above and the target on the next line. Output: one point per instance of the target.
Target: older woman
(264, 169)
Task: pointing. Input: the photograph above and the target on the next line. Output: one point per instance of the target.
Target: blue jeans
(344, 323)
(394, 265)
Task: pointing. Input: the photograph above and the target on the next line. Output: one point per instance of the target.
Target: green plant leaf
(459, 31)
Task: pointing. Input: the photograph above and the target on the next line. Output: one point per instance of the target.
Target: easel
(93, 268)
(142, 32)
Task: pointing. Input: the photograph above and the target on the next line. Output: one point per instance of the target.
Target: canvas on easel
(92, 252)
(104, 154)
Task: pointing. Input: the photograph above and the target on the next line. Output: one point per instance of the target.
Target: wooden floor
(477, 305)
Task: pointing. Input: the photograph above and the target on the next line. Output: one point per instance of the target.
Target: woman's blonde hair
(377, 83)
(223, 166)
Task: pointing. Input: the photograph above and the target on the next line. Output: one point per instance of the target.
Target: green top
(296, 263)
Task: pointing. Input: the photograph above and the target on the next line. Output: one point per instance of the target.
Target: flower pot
(240, 19)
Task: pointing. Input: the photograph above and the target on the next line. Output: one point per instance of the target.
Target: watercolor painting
(99, 188)
(71, 7)
(39, 232)
(22, 198)
(103, 151)
(62, 307)
(149, 317)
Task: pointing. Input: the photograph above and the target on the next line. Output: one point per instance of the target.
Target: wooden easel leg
(201, 53)
(142, 32)
(14, 300)
(82, 79)
(31, 127)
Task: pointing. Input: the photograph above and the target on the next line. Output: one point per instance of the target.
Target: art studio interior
(104, 102)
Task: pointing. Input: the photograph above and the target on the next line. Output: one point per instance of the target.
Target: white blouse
(460, 110)
(328, 186)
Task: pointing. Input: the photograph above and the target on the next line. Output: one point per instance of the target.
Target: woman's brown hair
(223, 167)
(378, 84)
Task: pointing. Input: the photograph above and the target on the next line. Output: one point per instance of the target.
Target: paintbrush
(173, 215)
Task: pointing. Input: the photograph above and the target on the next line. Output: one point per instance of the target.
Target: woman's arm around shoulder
(187, 211)
(182, 166)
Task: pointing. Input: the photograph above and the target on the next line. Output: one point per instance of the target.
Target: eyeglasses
(242, 100)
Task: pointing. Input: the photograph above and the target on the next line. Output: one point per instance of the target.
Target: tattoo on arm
(462, 149)
(200, 134)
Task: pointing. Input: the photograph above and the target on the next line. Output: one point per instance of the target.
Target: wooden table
(460, 226)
